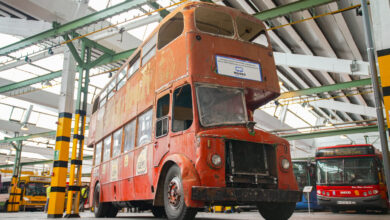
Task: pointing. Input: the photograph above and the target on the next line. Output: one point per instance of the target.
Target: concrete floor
(208, 216)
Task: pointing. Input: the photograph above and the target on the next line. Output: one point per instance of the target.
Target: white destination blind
(238, 68)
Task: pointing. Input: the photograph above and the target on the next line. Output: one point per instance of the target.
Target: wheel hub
(174, 192)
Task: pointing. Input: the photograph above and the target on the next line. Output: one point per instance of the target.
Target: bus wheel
(99, 208)
(158, 212)
(175, 207)
(276, 211)
(111, 211)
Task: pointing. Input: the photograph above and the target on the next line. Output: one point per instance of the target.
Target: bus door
(161, 145)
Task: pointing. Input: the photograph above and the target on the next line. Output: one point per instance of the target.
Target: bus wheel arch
(189, 176)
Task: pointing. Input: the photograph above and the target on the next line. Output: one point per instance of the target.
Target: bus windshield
(221, 106)
(347, 171)
(301, 173)
(35, 189)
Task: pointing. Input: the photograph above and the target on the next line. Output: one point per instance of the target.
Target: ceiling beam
(326, 88)
(333, 132)
(22, 27)
(290, 8)
(72, 25)
(345, 107)
(105, 60)
(327, 64)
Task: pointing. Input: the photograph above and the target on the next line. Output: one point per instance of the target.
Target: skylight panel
(53, 63)
(47, 121)
(16, 75)
(36, 71)
(5, 111)
(143, 32)
(6, 39)
(98, 5)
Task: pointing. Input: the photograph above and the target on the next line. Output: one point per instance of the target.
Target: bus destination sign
(345, 151)
(238, 68)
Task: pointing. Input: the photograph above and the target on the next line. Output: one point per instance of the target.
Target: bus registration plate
(238, 68)
(346, 202)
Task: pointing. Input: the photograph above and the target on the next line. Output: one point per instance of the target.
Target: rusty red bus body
(351, 177)
(136, 177)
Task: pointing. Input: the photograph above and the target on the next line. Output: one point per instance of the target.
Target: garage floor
(207, 216)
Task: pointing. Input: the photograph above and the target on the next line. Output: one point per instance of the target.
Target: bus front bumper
(347, 202)
(243, 195)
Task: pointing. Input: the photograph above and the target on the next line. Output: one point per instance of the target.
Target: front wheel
(174, 205)
(158, 212)
(276, 210)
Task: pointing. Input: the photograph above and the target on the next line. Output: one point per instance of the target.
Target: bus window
(161, 115)
(35, 189)
(170, 30)
(144, 132)
(129, 136)
(121, 78)
(116, 147)
(251, 31)
(214, 22)
(134, 64)
(98, 153)
(149, 50)
(221, 105)
(103, 98)
(106, 148)
(182, 108)
(111, 89)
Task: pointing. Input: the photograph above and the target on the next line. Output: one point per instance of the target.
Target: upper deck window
(251, 31)
(111, 89)
(121, 78)
(170, 30)
(134, 64)
(149, 49)
(213, 21)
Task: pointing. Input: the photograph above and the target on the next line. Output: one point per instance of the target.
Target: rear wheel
(158, 212)
(276, 211)
(174, 205)
(99, 208)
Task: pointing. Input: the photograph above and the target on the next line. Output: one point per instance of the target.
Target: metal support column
(72, 207)
(15, 193)
(385, 78)
(61, 153)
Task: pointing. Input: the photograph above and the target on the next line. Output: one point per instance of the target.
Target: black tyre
(174, 205)
(334, 210)
(99, 208)
(158, 212)
(276, 211)
(111, 211)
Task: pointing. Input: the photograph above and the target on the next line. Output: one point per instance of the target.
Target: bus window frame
(172, 40)
(120, 144)
(163, 117)
(110, 148)
(134, 120)
(154, 47)
(233, 36)
(94, 153)
(173, 104)
(263, 31)
(133, 61)
(137, 126)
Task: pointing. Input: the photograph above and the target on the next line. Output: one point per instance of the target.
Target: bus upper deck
(196, 47)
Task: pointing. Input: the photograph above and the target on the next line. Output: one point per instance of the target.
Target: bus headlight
(285, 164)
(216, 160)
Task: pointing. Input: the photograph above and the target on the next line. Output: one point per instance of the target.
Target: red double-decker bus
(173, 131)
(351, 177)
